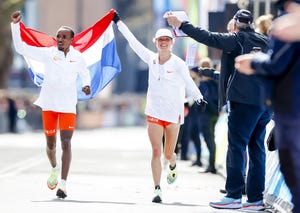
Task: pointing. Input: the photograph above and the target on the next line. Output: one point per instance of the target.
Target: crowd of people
(247, 120)
(282, 65)
(250, 100)
(256, 79)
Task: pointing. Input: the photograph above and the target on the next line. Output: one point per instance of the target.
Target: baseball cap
(163, 32)
(243, 16)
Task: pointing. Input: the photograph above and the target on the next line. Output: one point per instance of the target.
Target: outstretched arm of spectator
(173, 20)
(243, 64)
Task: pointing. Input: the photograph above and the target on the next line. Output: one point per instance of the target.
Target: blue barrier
(277, 194)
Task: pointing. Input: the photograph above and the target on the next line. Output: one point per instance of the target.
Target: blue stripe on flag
(102, 72)
(37, 78)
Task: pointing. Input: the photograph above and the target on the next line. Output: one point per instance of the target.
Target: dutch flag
(98, 46)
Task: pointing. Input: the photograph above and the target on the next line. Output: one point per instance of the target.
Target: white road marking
(16, 168)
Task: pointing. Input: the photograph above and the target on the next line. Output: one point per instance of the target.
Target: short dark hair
(67, 28)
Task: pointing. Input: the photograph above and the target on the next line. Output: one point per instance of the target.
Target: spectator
(208, 118)
(247, 120)
(191, 126)
(12, 115)
(205, 62)
(263, 24)
(286, 28)
(282, 65)
(231, 29)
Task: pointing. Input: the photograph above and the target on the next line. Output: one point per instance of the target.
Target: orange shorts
(66, 121)
(158, 121)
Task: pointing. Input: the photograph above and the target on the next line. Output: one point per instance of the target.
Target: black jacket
(209, 90)
(234, 86)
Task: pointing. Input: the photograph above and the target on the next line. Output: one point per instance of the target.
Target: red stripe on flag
(35, 38)
(87, 38)
(81, 42)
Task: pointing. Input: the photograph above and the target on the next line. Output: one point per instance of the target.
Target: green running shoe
(52, 180)
(172, 175)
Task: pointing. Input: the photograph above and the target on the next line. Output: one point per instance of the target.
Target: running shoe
(62, 192)
(52, 180)
(157, 196)
(227, 203)
(172, 175)
(254, 206)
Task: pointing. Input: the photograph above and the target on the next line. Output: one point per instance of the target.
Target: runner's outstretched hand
(86, 90)
(16, 17)
(116, 17)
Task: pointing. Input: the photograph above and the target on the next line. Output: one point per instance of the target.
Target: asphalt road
(110, 172)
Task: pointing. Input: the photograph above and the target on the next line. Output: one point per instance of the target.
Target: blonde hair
(205, 62)
(263, 24)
